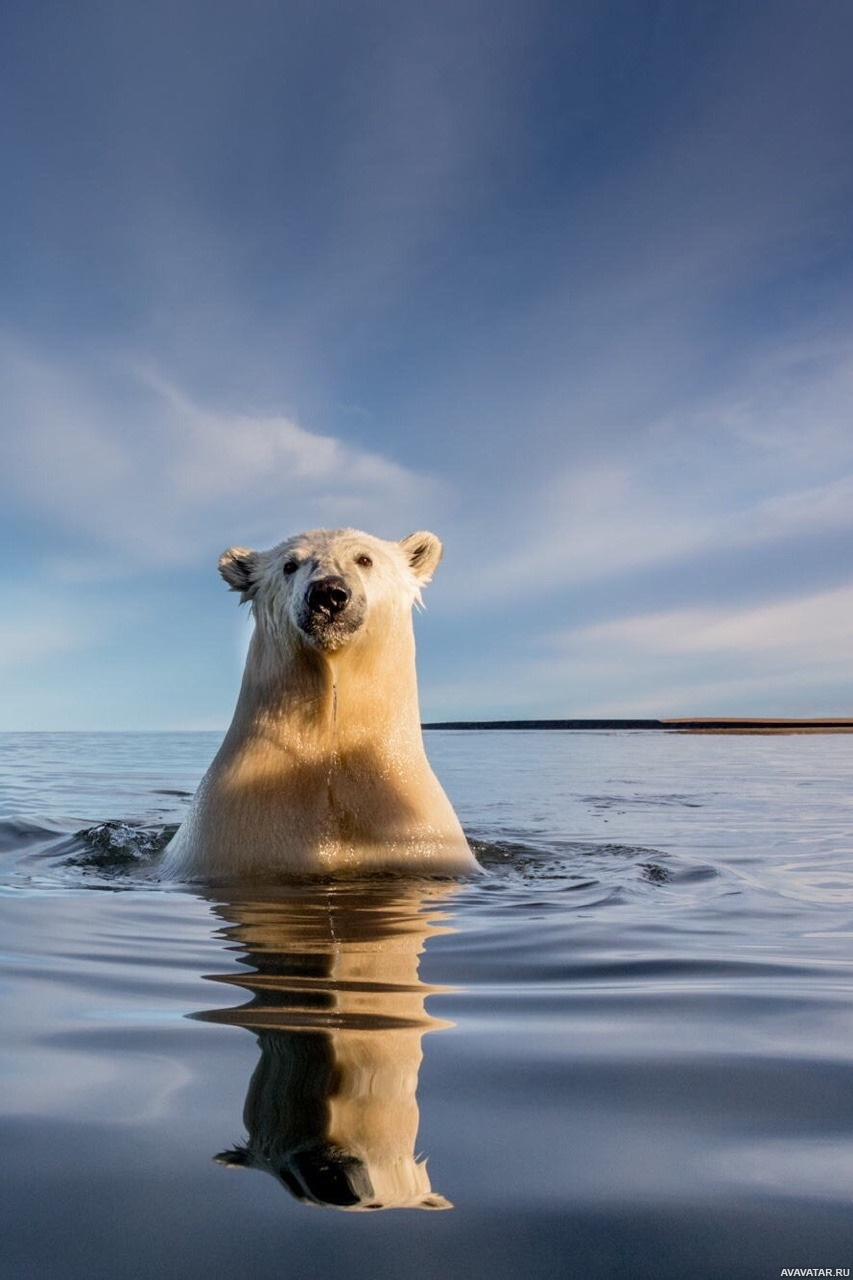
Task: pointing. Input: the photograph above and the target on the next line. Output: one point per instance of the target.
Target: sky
(569, 283)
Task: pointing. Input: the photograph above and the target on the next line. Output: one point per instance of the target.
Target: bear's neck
(315, 703)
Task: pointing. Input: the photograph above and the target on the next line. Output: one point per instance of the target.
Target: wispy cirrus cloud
(793, 654)
(767, 462)
(138, 472)
(28, 642)
(816, 628)
(601, 522)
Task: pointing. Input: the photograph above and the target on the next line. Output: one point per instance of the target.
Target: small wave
(115, 846)
(20, 833)
(604, 867)
(122, 853)
(643, 801)
(107, 854)
(521, 853)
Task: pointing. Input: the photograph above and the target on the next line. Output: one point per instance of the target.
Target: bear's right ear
(239, 568)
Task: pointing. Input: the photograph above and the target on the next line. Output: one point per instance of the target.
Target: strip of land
(699, 724)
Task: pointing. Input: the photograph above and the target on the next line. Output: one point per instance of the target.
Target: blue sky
(569, 283)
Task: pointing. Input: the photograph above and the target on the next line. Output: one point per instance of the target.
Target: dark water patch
(532, 855)
(121, 842)
(113, 848)
(603, 867)
(20, 833)
(655, 873)
(116, 853)
(622, 803)
(188, 1218)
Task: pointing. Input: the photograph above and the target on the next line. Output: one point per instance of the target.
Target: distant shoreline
(692, 724)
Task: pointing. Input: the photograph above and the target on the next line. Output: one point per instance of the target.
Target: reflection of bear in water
(338, 1008)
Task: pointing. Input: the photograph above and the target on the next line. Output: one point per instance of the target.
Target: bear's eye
(290, 566)
(364, 562)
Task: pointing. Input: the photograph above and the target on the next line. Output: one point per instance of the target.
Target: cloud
(215, 456)
(816, 628)
(787, 656)
(41, 625)
(768, 462)
(806, 692)
(789, 407)
(28, 642)
(138, 472)
(603, 521)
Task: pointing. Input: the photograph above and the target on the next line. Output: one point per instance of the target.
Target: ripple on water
(597, 870)
(122, 853)
(650, 1069)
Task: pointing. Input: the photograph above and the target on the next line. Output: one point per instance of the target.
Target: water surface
(626, 1051)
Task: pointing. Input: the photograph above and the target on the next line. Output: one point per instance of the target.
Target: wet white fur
(323, 769)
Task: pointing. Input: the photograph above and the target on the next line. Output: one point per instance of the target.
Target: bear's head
(324, 585)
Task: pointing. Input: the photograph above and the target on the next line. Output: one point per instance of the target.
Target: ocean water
(627, 1051)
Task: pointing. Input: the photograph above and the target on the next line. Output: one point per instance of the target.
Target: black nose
(329, 594)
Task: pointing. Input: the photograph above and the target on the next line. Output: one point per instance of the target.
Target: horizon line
(720, 724)
(683, 724)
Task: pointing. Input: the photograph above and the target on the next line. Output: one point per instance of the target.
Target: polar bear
(323, 770)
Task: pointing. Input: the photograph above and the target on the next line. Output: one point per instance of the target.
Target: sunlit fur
(323, 769)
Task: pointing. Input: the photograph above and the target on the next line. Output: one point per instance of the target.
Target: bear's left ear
(423, 552)
(239, 568)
